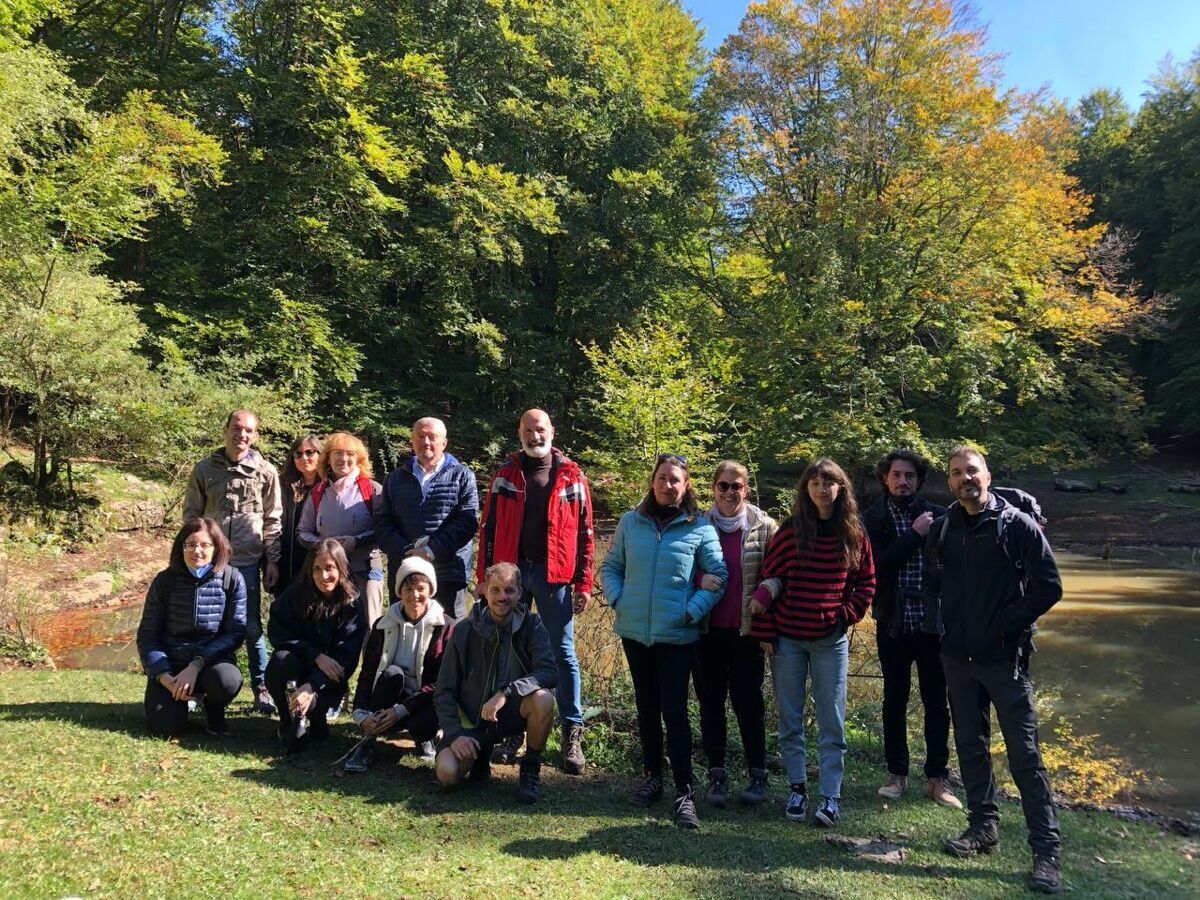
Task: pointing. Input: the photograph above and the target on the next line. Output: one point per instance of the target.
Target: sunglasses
(306, 453)
(673, 457)
(725, 487)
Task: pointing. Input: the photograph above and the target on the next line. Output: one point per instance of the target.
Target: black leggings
(660, 684)
(731, 665)
(389, 690)
(285, 666)
(167, 717)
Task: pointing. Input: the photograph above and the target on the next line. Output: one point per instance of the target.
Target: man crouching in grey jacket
(496, 680)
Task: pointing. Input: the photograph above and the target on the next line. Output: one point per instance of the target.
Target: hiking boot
(939, 792)
(360, 758)
(427, 750)
(529, 784)
(647, 792)
(797, 804)
(685, 809)
(893, 787)
(572, 748)
(505, 753)
(715, 795)
(263, 703)
(976, 839)
(756, 791)
(1047, 875)
(215, 715)
(827, 815)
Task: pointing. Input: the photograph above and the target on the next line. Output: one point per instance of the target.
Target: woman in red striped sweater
(817, 580)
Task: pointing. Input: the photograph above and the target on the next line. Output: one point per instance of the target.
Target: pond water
(1118, 658)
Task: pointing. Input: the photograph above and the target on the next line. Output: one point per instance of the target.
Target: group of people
(704, 597)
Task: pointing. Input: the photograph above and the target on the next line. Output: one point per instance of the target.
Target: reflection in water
(1120, 653)
(92, 638)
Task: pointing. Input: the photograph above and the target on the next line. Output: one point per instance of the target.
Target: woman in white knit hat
(401, 660)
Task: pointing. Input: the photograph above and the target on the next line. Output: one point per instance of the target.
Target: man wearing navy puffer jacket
(431, 510)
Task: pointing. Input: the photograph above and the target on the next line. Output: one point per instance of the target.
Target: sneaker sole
(823, 821)
(687, 826)
(891, 795)
(967, 854)
(793, 817)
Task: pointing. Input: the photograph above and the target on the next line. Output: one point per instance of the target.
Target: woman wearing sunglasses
(649, 576)
(730, 661)
(300, 476)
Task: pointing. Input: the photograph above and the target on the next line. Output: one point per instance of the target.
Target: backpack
(1017, 499)
(364, 488)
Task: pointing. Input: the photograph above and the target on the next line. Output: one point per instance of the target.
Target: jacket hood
(485, 626)
(393, 616)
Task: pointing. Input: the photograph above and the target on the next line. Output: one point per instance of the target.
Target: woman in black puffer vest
(317, 635)
(193, 622)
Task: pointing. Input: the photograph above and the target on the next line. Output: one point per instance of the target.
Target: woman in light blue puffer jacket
(649, 578)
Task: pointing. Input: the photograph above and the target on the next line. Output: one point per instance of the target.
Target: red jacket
(569, 543)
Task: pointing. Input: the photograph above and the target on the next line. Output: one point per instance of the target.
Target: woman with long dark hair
(300, 475)
(818, 579)
(193, 622)
(317, 635)
(649, 577)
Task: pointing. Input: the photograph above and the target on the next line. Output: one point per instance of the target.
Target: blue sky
(1070, 45)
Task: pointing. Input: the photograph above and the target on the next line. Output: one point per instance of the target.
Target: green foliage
(653, 395)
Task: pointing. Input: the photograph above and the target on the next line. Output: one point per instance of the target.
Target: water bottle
(301, 726)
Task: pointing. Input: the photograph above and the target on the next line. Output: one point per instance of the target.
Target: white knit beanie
(416, 565)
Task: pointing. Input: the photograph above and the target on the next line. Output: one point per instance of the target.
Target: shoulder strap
(227, 578)
(365, 488)
(318, 492)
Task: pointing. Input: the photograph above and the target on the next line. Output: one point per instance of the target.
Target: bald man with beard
(538, 515)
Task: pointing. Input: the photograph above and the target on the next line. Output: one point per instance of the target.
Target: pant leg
(789, 667)
(644, 674)
(746, 672)
(453, 598)
(712, 683)
(388, 689)
(673, 662)
(895, 663)
(423, 724)
(969, 708)
(285, 666)
(931, 679)
(220, 682)
(554, 606)
(165, 716)
(1013, 699)
(256, 643)
(830, 662)
(370, 597)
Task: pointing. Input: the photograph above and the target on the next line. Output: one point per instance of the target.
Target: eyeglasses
(725, 487)
(306, 453)
(193, 547)
(673, 457)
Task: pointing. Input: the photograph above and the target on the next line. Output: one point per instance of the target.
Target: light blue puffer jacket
(649, 577)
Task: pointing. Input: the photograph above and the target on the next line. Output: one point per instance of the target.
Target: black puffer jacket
(339, 637)
(891, 553)
(518, 653)
(185, 617)
(993, 575)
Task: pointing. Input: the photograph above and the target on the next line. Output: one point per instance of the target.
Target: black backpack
(1017, 499)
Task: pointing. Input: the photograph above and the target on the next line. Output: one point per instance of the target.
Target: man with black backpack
(993, 572)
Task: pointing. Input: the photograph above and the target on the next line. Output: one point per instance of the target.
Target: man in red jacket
(538, 515)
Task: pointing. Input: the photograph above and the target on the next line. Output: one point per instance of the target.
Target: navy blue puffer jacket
(447, 511)
(186, 617)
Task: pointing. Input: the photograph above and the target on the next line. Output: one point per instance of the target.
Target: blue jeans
(827, 660)
(256, 644)
(558, 615)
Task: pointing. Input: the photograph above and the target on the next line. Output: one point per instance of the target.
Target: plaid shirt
(908, 580)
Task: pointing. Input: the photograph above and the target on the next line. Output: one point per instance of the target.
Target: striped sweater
(817, 594)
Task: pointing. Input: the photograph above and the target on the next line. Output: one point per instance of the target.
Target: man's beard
(537, 451)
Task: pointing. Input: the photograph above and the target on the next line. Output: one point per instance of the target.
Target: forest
(836, 234)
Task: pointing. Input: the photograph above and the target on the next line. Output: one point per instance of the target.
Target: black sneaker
(716, 795)
(360, 758)
(216, 720)
(505, 753)
(1047, 875)
(976, 839)
(827, 814)
(797, 804)
(685, 809)
(647, 792)
(529, 785)
(756, 791)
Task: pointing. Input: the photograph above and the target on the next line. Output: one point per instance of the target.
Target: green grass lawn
(90, 805)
